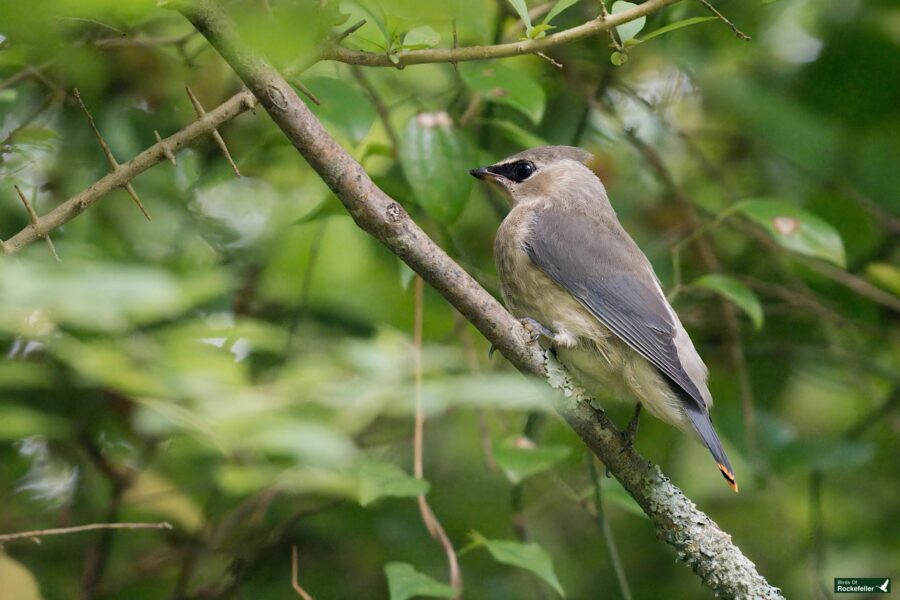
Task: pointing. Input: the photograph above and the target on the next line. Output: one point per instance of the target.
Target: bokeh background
(242, 367)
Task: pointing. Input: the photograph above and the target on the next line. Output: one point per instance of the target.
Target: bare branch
(215, 132)
(432, 524)
(295, 573)
(113, 164)
(698, 540)
(39, 533)
(77, 204)
(450, 55)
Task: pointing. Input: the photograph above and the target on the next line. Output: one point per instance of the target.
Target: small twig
(39, 533)
(165, 148)
(113, 165)
(94, 22)
(146, 42)
(740, 34)
(214, 133)
(552, 61)
(517, 495)
(818, 536)
(305, 286)
(613, 33)
(428, 517)
(605, 529)
(384, 114)
(295, 572)
(34, 219)
(468, 343)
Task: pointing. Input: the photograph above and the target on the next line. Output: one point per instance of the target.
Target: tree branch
(454, 55)
(124, 173)
(696, 538)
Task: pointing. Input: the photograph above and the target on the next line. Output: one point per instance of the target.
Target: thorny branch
(165, 149)
(697, 539)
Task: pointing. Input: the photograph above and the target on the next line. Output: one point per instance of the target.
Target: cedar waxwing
(571, 273)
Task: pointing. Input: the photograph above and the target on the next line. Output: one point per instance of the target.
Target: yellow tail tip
(729, 477)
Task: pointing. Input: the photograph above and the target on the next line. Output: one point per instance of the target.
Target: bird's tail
(704, 427)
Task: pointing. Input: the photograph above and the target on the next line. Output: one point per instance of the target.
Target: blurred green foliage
(242, 366)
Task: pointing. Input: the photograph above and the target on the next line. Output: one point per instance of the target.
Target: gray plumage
(565, 261)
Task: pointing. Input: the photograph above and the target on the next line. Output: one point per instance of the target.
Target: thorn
(34, 219)
(740, 34)
(215, 132)
(349, 30)
(455, 46)
(113, 164)
(307, 92)
(165, 148)
(130, 189)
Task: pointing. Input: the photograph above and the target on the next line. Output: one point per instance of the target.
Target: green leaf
(737, 292)
(632, 28)
(406, 274)
(558, 8)
(16, 581)
(796, 229)
(378, 479)
(421, 37)
(885, 276)
(528, 556)
(520, 458)
(8, 95)
(99, 296)
(435, 158)
(522, 10)
(506, 85)
(41, 137)
(405, 582)
(538, 31)
(673, 27)
(330, 206)
(344, 106)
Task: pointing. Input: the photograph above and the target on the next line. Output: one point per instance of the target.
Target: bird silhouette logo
(884, 586)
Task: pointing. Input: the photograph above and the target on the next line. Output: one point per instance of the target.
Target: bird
(577, 280)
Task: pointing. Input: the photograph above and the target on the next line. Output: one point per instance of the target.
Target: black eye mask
(517, 171)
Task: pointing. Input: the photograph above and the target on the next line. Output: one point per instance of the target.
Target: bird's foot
(536, 329)
(631, 430)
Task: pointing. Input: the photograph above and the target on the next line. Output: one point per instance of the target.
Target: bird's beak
(483, 173)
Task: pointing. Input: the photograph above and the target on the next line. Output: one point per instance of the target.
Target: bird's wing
(587, 257)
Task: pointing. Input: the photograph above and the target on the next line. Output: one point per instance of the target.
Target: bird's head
(538, 172)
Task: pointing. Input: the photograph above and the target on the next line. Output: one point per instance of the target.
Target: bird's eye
(516, 172)
(522, 170)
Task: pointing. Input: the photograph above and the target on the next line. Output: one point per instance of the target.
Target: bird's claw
(535, 329)
(631, 429)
